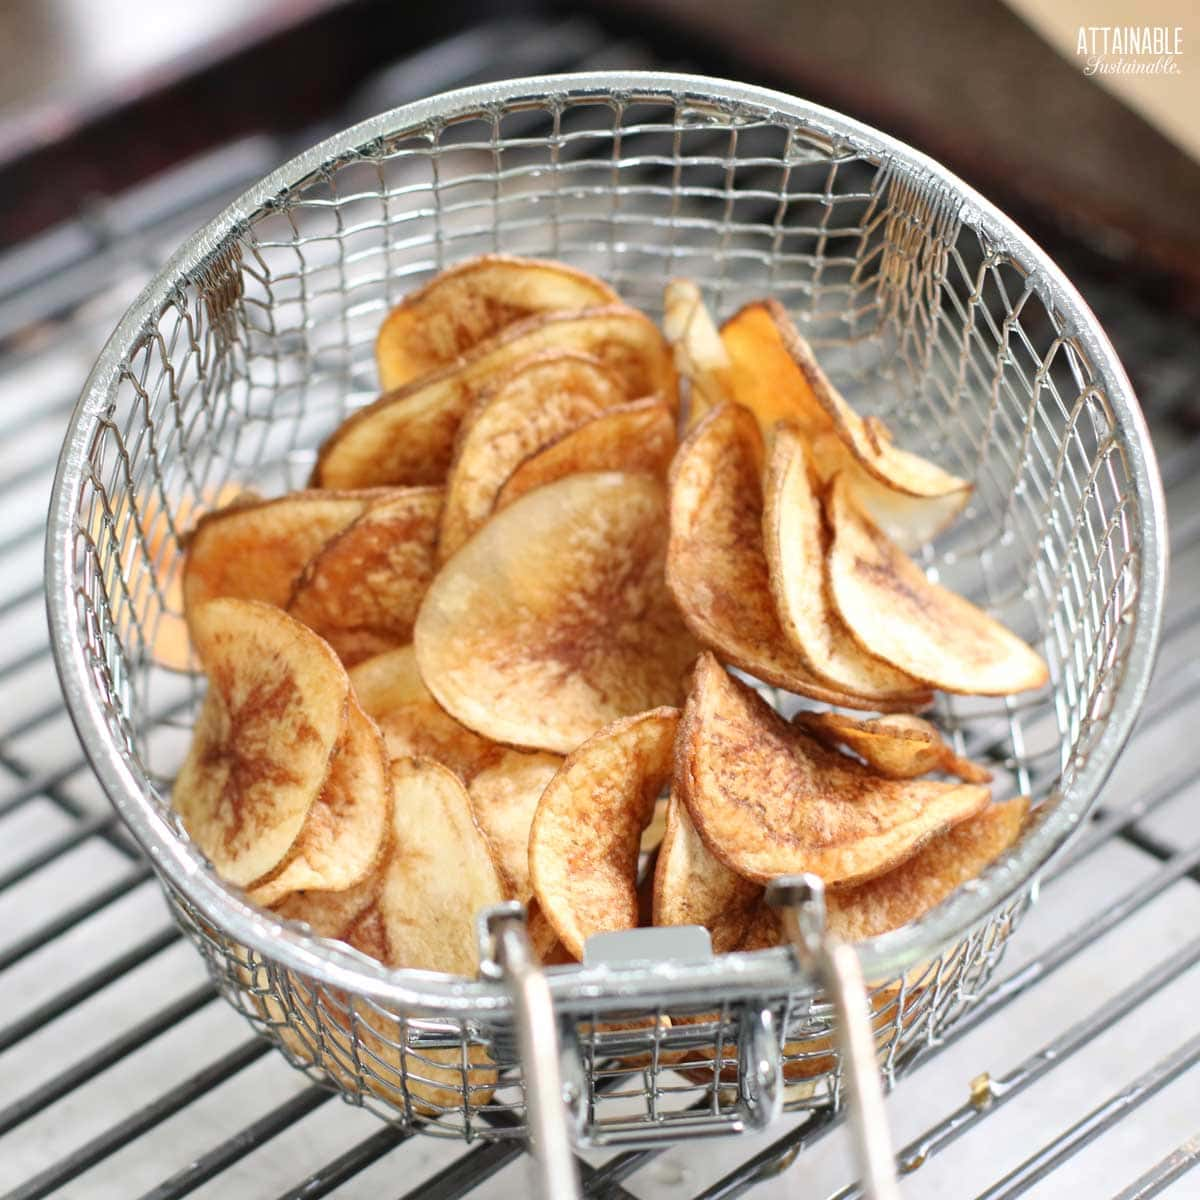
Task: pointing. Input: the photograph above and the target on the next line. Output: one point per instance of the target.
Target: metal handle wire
(802, 901)
(540, 1050)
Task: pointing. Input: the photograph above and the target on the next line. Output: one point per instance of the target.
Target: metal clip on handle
(510, 957)
(802, 901)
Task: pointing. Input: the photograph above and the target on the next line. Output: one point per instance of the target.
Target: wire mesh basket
(928, 307)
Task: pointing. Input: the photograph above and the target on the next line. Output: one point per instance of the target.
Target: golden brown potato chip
(795, 540)
(343, 835)
(471, 302)
(550, 951)
(776, 375)
(897, 614)
(261, 749)
(910, 521)
(899, 746)
(361, 592)
(700, 355)
(716, 563)
(639, 436)
(332, 913)
(535, 403)
(380, 1059)
(769, 800)
(587, 831)
(439, 875)
(816, 1049)
(413, 723)
(691, 887)
(857, 912)
(430, 1082)
(504, 797)
(157, 597)
(503, 784)
(925, 880)
(407, 436)
(555, 619)
(256, 550)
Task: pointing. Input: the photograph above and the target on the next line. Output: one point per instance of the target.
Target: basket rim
(732, 976)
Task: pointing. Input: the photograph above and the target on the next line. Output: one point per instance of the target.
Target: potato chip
(586, 835)
(426, 1082)
(422, 1082)
(691, 887)
(260, 753)
(716, 563)
(925, 880)
(343, 835)
(855, 912)
(413, 723)
(910, 521)
(332, 913)
(899, 746)
(361, 592)
(769, 800)
(806, 1058)
(438, 877)
(898, 615)
(700, 355)
(555, 619)
(504, 797)
(542, 936)
(638, 436)
(407, 436)
(795, 540)
(256, 550)
(157, 598)
(503, 784)
(776, 375)
(471, 302)
(539, 400)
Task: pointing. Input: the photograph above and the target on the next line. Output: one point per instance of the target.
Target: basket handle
(513, 960)
(801, 899)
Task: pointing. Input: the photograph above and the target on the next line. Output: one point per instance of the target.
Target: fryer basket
(927, 306)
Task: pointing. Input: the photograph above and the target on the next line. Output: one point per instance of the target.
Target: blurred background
(126, 124)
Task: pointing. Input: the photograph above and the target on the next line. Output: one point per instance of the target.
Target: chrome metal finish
(801, 899)
(930, 307)
(760, 1070)
(537, 1038)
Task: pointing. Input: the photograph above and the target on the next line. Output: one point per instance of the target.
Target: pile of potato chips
(471, 660)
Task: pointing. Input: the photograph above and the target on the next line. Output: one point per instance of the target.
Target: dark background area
(970, 84)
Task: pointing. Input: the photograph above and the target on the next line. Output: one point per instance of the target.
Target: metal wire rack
(477, 1164)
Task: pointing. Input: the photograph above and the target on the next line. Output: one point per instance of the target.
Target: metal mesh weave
(243, 362)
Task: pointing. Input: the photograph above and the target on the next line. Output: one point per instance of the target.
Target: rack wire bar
(1164, 1173)
(349, 1164)
(101, 1059)
(210, 1165)
(30, 935)
(86, 986)
(1038, 1166)
(72, 1165)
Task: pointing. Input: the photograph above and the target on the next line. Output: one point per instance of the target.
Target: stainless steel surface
(122, 1075)
(256, 339)
(802, 900)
